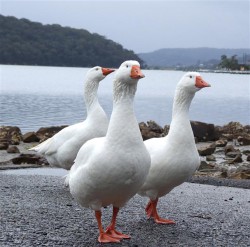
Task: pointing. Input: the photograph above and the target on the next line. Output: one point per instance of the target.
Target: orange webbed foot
(115, 234)
(106, 238)
(151, 211)
(163, 221)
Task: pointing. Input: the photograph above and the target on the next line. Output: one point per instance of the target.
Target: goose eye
(96, 69)
(190, 77)
(127, 66)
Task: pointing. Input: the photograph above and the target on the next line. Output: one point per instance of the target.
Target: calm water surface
(32, 97)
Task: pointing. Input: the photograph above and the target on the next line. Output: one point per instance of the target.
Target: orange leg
(104, 237)
(151, 211)
(111, 228)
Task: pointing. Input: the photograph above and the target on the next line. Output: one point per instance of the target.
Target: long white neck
(90, 95)
(123, 119)
(182, 102)
(180, 125)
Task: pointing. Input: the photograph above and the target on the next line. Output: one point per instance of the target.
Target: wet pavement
(37, 210)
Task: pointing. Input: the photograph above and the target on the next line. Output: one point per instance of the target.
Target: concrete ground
(37, 210)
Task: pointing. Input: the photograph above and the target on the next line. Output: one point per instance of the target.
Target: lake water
(33, 96)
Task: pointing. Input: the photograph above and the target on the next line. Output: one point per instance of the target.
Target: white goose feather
(111, 169)
(61, 149)
(174, 157)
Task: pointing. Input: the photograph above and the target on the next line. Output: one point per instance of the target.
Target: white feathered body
(110, 170)
(61, 149)
(174, 159)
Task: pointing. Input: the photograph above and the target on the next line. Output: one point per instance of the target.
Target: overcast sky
(144, 26)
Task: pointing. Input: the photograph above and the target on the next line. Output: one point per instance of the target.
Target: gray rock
(30, 137)
(29, 159)
(233, 154)
(11, 134)
(147, 132)
(229, 148)
(204, 131)
(248, 157)
(155, 127)
(242, 172)
(221, 143)
(236, 131)
(207, 150)
(244, 167)
(246, 152)
(4, 145)
(244, 140)
(229, 137)
(234, 128)
(13, 150)
(210, 158)
(206, 166)
(166, 130)
(236, 159)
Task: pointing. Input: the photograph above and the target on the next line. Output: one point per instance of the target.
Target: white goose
(174, 158)
(61, 149)
(110, 170)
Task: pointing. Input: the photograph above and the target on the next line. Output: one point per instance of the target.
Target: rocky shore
(224, 150)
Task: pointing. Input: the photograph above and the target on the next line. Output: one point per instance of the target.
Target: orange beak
(200, 83)
(136, 72)
(106, 71)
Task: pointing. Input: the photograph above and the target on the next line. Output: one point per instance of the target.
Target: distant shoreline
(238, 72)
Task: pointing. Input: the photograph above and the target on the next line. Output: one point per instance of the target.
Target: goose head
(98, 73)
(129, 72)
(193, 82)
(91, 84)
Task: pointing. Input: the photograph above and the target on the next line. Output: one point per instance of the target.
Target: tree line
(24, 42)
(231, 63)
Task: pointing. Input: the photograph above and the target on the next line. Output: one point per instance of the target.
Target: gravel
(39, 211)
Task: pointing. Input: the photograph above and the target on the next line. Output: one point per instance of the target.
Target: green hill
(24, 42)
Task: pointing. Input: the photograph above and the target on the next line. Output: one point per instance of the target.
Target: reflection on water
(37, 171)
